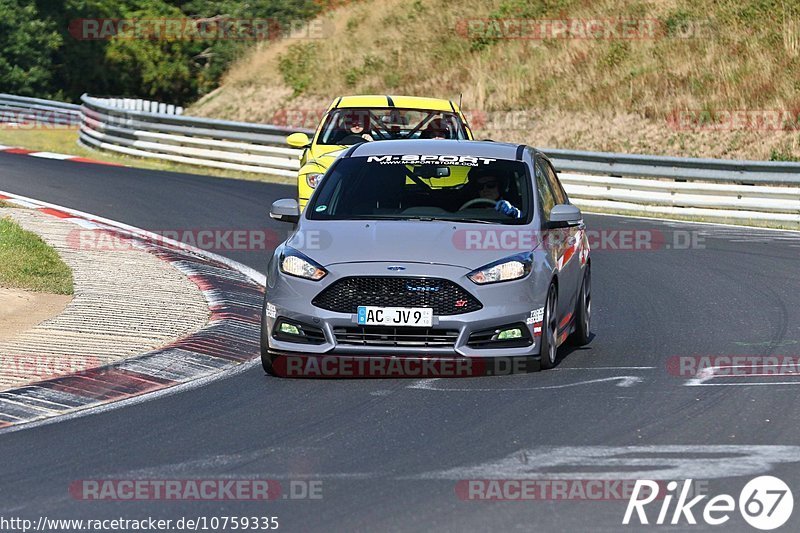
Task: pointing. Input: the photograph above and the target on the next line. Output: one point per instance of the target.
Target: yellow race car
(354, 119)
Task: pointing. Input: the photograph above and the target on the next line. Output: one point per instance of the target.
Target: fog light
(515, 335)
(289, 328)
(508, 334)
(287, 331)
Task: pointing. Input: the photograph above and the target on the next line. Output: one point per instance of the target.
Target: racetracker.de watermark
(478, 119)
(41, 366)
(733, 365)
(35, 119)
(626, 29)
(513, 239)
(209, 239)
(195, 489)
(196, 29)
(556, 489)
(401, 366)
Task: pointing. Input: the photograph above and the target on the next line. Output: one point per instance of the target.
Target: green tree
(26, 47)
(155, 67)
(44, 53)
(79, 65)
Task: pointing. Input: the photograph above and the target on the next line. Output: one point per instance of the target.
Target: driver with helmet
(488, 187)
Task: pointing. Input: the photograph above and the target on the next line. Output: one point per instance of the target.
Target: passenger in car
(437, 129)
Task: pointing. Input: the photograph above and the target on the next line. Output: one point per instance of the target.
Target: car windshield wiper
(444, 219)
(422, 218)
(392, 217)
(468, 220)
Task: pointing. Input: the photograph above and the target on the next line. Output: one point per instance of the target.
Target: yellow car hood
(324, 155)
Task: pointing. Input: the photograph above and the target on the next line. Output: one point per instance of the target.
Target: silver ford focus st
(430, 249)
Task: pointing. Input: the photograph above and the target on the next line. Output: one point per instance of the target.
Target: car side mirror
(298, 140)
(564, 215)
(285, 210)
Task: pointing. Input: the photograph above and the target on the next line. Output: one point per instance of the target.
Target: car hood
(401, 241)
(325, 155)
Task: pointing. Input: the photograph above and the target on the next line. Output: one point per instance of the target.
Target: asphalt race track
(390, 453)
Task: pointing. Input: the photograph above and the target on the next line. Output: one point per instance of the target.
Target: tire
(266, 362)
(583, 312)
(549, 347)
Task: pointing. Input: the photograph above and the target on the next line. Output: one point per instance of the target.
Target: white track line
(605, 368)
(430, 384)
(51, 155)
(175, 389)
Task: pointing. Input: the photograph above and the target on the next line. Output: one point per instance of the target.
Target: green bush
(296, 66)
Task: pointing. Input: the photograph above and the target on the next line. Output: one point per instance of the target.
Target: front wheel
(549, 348)
(583, 314)
(266, 362)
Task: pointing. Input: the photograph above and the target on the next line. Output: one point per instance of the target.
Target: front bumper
(504, 304)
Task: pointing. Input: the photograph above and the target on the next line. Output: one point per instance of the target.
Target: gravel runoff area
(126, 302)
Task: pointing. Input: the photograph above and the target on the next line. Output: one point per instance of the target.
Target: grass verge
(27, 262)
(64, 141)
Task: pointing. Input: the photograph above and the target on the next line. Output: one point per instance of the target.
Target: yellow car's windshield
(351, 126)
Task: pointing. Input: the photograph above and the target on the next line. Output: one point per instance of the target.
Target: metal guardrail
(683, 168)
(713, 189)
(22, 110)
(223, 144)
(138, 104)
(711, 201)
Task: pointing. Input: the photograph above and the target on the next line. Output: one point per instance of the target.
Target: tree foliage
(27, 45)
(41, 54)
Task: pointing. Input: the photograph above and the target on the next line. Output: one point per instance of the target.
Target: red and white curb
(53, 155)
(230, 339)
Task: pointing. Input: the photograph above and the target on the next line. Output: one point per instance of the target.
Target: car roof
(495, 150)
(385, 100)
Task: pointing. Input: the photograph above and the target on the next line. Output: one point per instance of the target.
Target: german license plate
(395, 316)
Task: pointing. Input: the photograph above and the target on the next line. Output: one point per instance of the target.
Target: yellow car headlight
(313, 179)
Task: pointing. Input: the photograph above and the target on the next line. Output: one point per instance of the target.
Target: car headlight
(296, 264)
(508, 269)
(313, 179)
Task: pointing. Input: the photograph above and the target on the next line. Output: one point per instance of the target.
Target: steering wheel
(474, 201)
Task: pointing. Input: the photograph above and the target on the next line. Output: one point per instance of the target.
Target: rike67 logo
(765, 503)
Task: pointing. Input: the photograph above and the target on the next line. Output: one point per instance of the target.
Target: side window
(545, 193)
(558, 190)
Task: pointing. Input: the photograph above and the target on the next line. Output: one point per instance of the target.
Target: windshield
(454, 188)
(350, 126)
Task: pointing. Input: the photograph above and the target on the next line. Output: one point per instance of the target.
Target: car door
(560, 242)
(569, 261)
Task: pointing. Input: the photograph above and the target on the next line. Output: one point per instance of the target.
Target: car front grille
(444, 296)
(395, 336)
